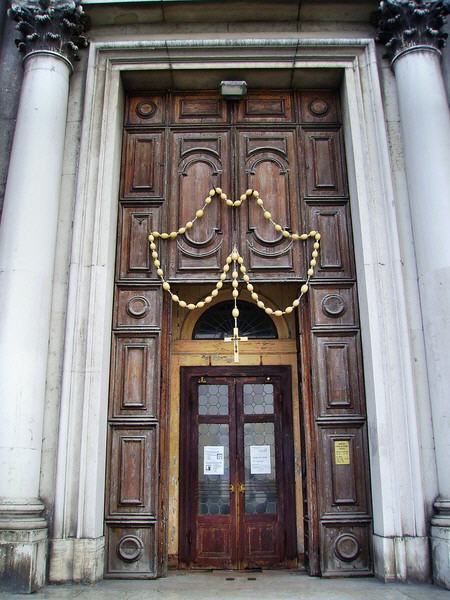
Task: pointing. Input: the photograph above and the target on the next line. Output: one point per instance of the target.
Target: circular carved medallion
(346, 547)
(333, 305)
(130, 548)
(319, 107)
(138, 307)
(146, 109)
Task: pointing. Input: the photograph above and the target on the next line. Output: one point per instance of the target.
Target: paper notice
(260, 460)
(341, 452)
(213, 460)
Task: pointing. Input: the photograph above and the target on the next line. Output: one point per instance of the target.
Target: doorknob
(242, 488)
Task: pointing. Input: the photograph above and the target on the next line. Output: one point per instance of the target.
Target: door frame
(392, 395)
(286, 420)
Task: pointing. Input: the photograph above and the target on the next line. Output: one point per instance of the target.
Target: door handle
(242, 488)
(232, 490)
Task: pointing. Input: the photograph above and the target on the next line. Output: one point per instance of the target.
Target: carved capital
(51, 25)
(405, 24)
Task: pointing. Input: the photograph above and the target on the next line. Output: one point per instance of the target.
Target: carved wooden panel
(267, 107)
(318, 107)
(202, 107)
(133, 467)
(346, 548)
(324, 163)
(334, 305)
(135, 376)
(146, 110)
(137, 307)
(262, 541)
(144, 160)
(337, 369)
(213, 542)
(343, 472)
(267, 164)
(131, 550)
(135, 224)
(200, 161)
(336, 249)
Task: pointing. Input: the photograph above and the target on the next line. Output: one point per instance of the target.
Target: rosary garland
(235, 258)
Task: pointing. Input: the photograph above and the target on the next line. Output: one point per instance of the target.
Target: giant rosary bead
(235, 257)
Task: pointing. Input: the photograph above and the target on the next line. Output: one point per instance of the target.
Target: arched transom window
(217, 322)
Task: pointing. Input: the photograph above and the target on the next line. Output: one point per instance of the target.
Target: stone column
(412, 33)
(51, 34)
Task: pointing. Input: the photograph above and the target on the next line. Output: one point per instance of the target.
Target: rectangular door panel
(336, 255)
(138, 308)
(135, 224)
(334, 306)
(324, 165)
(318, 107)
(135, 376)
(261, 544)
(201, 107)
(130, 550)
(345, 548)
(213, 543)
(146, 110)
(144, 165)
(342, 465)
(337, 383)
(267, 107)
(132, 467)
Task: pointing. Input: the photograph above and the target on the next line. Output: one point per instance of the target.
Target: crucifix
(236, 339)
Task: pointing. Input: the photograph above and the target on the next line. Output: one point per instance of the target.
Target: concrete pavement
(268, 585)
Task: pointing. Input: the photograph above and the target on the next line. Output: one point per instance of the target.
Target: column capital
(404, 25)
(56, 26)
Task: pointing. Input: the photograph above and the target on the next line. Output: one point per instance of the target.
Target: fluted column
(50, 35)
(412, 33)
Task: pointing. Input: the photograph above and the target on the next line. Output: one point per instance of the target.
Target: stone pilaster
(51, 34)
(412, 33)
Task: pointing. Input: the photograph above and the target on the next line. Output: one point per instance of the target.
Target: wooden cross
(236, 339)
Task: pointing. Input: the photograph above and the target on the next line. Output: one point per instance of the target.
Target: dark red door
(237, 468)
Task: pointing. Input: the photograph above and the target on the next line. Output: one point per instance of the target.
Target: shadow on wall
(11, 74)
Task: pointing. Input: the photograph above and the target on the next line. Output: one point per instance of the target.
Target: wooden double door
(237, 469)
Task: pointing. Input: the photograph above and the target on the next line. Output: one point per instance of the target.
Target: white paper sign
(260, 460)
(213, 460)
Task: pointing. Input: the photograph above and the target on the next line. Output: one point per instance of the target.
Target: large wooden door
(289, 146)
(237, 468)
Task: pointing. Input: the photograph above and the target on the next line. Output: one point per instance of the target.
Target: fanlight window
(217, 322)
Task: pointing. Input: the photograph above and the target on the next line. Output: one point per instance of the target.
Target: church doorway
(159, 500)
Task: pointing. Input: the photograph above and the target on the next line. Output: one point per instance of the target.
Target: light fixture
(233, 90)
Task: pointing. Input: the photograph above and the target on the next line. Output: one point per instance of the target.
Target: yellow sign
(342, 452)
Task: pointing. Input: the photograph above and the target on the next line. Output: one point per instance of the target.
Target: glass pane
(212, 399)
(213, 469)
(217, 322)
(258, 398)
(260, 476)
